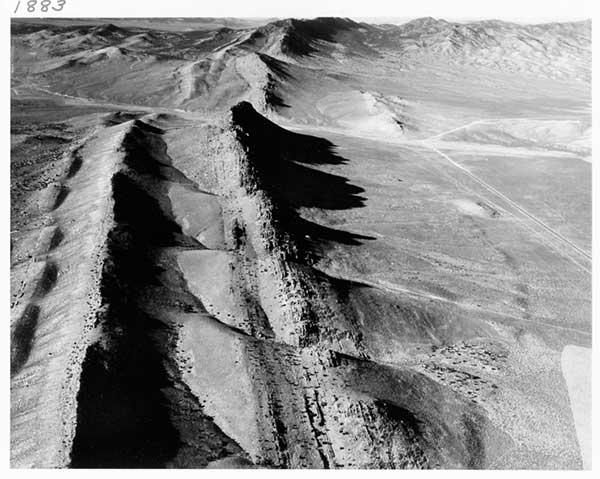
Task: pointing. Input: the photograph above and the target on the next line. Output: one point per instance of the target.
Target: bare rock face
(272, 255)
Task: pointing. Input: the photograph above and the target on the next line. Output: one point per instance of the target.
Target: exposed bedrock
(214, 340)
(193, 285)
(286, 365)
(133, 408)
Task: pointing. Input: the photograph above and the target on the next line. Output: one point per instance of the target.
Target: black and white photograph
(347, 237)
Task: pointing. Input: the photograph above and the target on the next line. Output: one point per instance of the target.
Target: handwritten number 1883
(45, 4)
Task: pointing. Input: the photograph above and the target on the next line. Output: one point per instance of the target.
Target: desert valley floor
(300, 244)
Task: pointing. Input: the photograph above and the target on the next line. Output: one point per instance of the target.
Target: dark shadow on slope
(76, 163)
(146, 153)
(122, 416)
(280, 160)
(277, 143)
(305, 187)
(47, 280)
(21, 340)
(276, 66)
(299, 37)
(56, 239)
(133, 411)
(273, 99)
(277, 72)
(313, 234)
(61, 196)
(441, 427)
(303, 34)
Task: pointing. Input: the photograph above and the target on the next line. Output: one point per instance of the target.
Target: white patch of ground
(470, 208)
(209, 275)
(577, 370)
(199, 213)
(360, 112)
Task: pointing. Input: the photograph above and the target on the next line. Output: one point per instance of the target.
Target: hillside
(300, 243)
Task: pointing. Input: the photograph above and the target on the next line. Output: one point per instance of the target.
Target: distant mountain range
(178, 60)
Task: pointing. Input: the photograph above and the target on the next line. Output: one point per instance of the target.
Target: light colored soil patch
(361, 112)
(219, 379)
(470, 208)
(209, 275)
(577, 370)
(199, 213)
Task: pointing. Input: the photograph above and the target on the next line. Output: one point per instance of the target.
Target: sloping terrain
(301, 244)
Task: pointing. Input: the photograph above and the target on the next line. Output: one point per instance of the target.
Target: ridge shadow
(133, 410)
(281, 162)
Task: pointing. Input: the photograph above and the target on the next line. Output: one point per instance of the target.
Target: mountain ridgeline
(206, 69)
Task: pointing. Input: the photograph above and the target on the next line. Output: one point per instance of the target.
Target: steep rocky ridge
(157, 366)
(201, 279)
